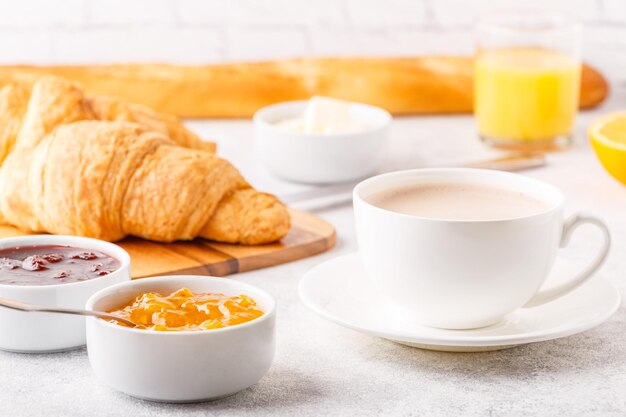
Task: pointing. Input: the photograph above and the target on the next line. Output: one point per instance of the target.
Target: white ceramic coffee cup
(460, 274)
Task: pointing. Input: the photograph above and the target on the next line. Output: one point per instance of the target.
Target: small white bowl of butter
(321, 140)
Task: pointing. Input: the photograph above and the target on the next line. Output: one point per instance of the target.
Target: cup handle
(570, 225)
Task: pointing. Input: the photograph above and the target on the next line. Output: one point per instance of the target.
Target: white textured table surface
(323, 369)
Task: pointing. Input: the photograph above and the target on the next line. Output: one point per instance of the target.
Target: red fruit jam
(49, 265)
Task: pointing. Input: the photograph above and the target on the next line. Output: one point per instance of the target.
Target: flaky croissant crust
(103, 168)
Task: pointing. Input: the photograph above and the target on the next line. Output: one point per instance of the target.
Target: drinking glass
(527, 79)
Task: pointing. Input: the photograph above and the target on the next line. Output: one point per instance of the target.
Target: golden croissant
(104, 168)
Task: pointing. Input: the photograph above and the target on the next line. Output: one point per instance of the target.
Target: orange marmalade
(183, 310)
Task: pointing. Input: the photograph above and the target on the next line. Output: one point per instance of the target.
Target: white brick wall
(203, 31)
(386, 14)
(454, 13)
(40, 14)
(124, 12)
(138, 44)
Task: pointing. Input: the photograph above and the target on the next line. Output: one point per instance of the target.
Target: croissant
(104, 168)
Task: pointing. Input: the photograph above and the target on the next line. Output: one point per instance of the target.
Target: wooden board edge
(322, 234)
(220, 269)
(289, 255)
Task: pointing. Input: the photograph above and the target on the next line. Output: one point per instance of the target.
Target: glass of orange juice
(527, 79)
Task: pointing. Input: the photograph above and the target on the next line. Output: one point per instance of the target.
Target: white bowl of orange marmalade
(196, 338)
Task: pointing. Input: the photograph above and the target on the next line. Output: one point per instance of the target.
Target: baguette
(401, 85)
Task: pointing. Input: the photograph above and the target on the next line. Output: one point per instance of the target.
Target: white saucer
(339, 291)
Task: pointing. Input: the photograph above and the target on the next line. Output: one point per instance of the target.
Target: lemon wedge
(608, 138)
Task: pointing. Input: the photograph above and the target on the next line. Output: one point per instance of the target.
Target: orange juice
(525, 94)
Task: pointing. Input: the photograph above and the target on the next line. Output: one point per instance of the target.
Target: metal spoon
(19, 305)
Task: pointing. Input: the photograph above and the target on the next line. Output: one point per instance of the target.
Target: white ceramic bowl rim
(82, 242)
(261, 117)
(169, 278)
(558, 197)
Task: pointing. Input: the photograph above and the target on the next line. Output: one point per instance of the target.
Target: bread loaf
(401, 85)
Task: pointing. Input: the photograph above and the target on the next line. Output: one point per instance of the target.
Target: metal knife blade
(338, 194)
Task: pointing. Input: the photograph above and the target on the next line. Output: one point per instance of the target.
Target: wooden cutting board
(309, 235)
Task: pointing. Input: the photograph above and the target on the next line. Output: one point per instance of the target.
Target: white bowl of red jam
(196, 338)
(55, 271)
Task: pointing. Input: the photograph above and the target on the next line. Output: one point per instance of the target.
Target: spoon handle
(22, 306)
